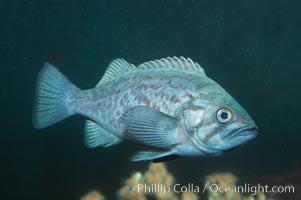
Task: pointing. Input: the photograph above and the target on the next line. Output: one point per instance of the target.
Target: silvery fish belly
(169, 106)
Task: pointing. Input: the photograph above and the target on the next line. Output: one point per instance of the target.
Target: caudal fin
(51, 101)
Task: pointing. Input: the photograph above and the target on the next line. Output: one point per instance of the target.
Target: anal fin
(96, 136)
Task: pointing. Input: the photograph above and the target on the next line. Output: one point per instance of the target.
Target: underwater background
(252, 48)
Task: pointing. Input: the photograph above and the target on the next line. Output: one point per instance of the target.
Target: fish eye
(223, 115)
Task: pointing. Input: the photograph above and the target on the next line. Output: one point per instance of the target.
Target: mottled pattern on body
(165, 90)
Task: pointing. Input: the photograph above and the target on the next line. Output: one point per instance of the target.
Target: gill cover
(199, 125)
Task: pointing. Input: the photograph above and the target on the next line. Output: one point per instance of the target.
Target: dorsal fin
(116, 67)
(174, 63)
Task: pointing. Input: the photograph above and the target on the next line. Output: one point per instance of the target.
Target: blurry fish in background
(169, 106)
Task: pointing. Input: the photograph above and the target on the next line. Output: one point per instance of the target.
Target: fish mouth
(239, 137)
(247, 132)
(230, 141)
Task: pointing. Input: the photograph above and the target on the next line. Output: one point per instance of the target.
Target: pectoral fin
(150, 155)
(150, 127)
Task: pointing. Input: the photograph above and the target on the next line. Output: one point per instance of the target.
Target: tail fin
(52, 92)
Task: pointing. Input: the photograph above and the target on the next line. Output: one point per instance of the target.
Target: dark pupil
(224, 115)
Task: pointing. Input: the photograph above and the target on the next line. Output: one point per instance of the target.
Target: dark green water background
(251, 47)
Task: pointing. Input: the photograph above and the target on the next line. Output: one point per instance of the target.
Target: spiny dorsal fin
(174, 63)
(116, 67)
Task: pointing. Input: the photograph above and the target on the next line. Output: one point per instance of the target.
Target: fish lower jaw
(242, 132)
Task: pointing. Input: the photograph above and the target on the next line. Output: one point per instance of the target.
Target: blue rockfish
(169, 106)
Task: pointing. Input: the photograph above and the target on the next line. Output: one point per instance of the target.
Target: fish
(169, 106)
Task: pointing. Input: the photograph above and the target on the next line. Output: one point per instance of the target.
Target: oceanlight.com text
(250, 189)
